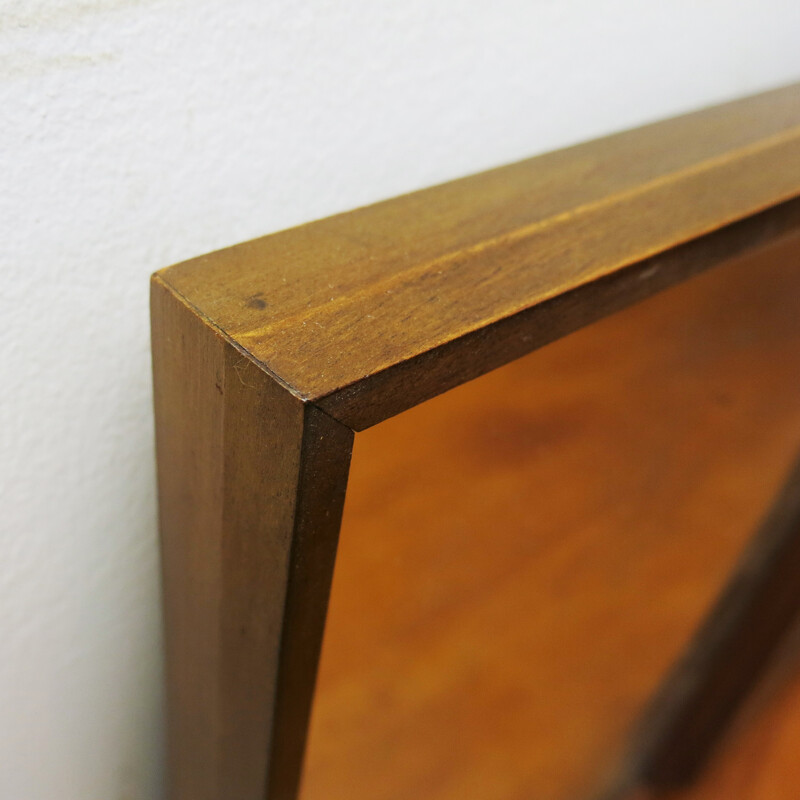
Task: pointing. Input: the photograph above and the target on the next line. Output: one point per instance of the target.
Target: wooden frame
(268, 355)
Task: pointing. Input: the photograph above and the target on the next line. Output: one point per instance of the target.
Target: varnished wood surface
(340, 310)
(523, 559)
(251, 485)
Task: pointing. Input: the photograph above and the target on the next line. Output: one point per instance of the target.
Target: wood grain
(522, 559)
(329, 305)
(251, 485)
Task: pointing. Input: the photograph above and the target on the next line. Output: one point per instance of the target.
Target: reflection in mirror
(523, 559)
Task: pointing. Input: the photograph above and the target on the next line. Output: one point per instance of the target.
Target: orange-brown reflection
(522, 558)
(757, 759)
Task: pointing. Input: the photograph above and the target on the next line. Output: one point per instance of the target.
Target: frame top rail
(362, 313)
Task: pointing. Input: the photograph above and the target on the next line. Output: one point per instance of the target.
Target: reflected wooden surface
(758, 758)
(522, 558)
(761, 761)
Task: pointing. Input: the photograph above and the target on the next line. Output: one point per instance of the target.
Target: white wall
(135, 134)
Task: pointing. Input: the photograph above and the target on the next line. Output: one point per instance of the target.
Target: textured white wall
(134, 134)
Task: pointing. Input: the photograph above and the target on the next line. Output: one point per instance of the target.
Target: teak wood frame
(268, 355)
